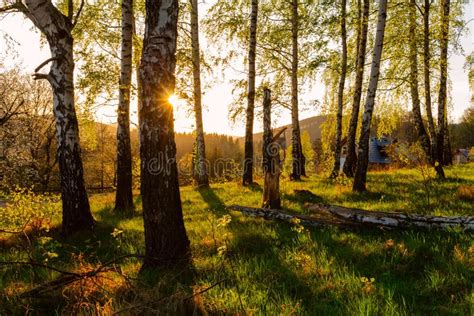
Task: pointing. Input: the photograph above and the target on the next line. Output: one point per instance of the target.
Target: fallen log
(393, 219)
(331, 215)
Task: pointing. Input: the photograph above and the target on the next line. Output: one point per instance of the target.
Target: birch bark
(351, 159)
(442, 96)
(427, 74)
(57, 28)
(248, 156)
(340, 93)
(123, 196)
(363, 157)
(298, 164)
(423, 137)
(166, 242)
(200, 165)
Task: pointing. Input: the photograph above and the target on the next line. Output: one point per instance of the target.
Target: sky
(217, 99)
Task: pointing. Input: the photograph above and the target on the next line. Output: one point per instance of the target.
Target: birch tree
(363, 157)
(442, 96)
(200, 167)
(297, 150)
(248, 155)
(422, 135)
(57, 28)
(362, 31)
(123, 196)
(470, 74)
(340, 92)
(427, 78)
(227, 22)
(166, 242)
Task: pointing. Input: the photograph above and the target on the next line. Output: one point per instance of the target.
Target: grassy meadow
(243, 265)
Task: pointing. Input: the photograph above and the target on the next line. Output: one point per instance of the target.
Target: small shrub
(27, 210)
(413, 156)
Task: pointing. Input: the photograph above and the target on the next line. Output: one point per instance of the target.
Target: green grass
(268, 267)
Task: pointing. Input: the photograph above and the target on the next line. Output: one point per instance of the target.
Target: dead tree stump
(271, 158)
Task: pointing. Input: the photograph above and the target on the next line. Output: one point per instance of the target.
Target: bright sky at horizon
(217, 99)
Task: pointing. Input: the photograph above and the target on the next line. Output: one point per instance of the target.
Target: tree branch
(44, 63)
(78, 14)
(277, 135)
(17, 5)
(9, 8)
(70, 9)
(41, 76)
(38, 265)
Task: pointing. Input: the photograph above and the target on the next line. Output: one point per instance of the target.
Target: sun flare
(175, 101)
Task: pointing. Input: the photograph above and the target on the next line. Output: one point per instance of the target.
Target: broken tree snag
(271, 158)
(330, 215)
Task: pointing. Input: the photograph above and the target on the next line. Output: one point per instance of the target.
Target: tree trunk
(351, 159)
(298, 162)
(248, 156)
(427, 75)
(442, 97)
(340, 93)
(57, 29)
(332, 215)
(448, 153)
(123, 195)
(166, 242)
(271, 158)
(363, 157)
(138, 49)
(200, 166)
(423, 137)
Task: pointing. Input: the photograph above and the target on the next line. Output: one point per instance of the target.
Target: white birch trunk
(123, 197)
(248, 155)
(340, 93)
(443, 74)
(297, 150)
(363, 157)
(200, 165)
(57, 29)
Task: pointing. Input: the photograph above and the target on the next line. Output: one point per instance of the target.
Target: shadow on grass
(370, 196)
(255, 187)
(415, 195)
(402, 267)
(170, 289)
(302, 197)
(259, 258)
(263, 256)
(249, 246)
(454, 180)
(213, 200)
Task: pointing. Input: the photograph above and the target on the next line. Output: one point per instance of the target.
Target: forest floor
(245, 265)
